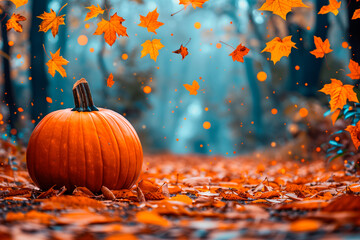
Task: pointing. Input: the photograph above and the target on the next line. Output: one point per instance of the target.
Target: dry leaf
(55, 64)
(183, 51)
(194, 3)
(333, 7)
(19, 3)
(279, 48)
(152, 48)
(356, 14)
(13, 22)
(110, 81)
(150, 21)
(281, 7)
(111, 28)
(94, 12)
(322, 47)
(108, 194)
(239, 53)
(51, 21)
(354, 69)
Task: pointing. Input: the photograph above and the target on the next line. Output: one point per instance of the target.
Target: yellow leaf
(281, 7)
(13, 22)
(279, 48)
(333, 7)
(153, 218)
(152, 48)
(19, 3)
(339, 94)
(94, 12)
(150, 21)
(192, 88)
(55, 64)
(51, 21)
(111, 28)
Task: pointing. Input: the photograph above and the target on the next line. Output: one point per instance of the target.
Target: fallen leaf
(281, 7)
(322, 47)
(192, 88)
(147, 186)
(279, 48)
(183, 51)
(19, 3)
(55, 64)
(152, 218)
(339, 94)
(239, 53)
(305, 225)
(108, 194)
(354, 69)
(94, 12)
(152, 48)
(51, 21)
(346, 202)
(110, 81)
(13, 22)
(194, 3)
(182, 198)
(111, 28)
(151, 21)
(333, 7)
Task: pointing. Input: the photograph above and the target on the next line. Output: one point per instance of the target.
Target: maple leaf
(192, 88)
(183, 51)
(51, 21)
(355, 134)
(239, 53)
(335, 116)
(55, 64)
(94, 12)
(322, 47)
(339, 93)
(150, 21)
(19, 3)
(279, 48)
(110, 81)
(194, 3)
(13, 22)
(333, 7)
(355, 70)
(281, 7)
(356, 14)
(111, 28)
(152, 48)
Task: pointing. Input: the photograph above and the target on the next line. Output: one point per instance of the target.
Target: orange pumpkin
(84, 146)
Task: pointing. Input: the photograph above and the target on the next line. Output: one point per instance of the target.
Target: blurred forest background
(239, 107)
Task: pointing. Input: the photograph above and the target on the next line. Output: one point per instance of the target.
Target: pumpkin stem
(82, 97)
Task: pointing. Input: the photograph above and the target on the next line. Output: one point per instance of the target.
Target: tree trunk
(39, 82)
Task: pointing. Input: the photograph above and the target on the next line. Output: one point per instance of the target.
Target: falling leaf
(281, 7)
(55, 64)
(19, 3)
(194, 3)
(239, 53)
(51, 21)
(94, 12)
(152, 48)
(192, 88)
(354, 69)
(279, 48)
(354, 133)
(322, 47)
(335, 116)
(110, 81)
(333, 7)
(339, 93)
(13, 22)
(150, 21)
(356, 14)
(111, 28)
(183, 51)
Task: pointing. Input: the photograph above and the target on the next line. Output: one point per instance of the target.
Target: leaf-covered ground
(261, 196)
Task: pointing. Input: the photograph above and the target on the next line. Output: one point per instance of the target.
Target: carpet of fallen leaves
(258, 196)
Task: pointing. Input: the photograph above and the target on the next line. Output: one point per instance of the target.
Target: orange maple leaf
(111, 28)
(281, 7)
(279, 48)
(194, 3)
(355, 70)
(13, 22)
(239, 53)
(19, 3)
(356, 14)
(183, 51)
(355, 134)
(150, 21)
(152, 48)
(55, 64)
(322, 47)
(192, 88)
(51, 21)
(94, 12)
(333, 7)
(110, 81)
(335, 116)
(339, 94)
